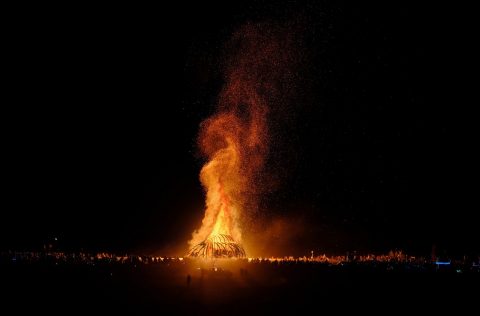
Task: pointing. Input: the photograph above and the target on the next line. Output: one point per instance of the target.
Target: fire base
(218, 246)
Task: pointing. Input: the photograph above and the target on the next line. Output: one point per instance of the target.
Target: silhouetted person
(189, 279)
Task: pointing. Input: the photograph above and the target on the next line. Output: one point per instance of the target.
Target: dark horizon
(100, 130)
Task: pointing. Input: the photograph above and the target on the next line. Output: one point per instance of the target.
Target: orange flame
(235, 138)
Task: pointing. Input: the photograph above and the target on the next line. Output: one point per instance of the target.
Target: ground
(230, 286)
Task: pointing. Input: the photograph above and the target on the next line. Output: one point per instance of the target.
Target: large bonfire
(235, 139)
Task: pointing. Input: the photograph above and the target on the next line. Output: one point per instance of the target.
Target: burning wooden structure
(218, 246)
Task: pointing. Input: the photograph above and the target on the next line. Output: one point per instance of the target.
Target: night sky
(103, 107)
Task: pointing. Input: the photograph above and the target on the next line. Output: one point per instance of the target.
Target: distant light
(56, 239)
(442, 262)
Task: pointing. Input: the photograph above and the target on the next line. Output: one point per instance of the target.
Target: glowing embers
(218, 246)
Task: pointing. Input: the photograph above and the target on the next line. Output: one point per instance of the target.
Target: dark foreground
(233, 287)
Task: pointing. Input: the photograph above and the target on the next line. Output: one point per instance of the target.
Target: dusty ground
(234, 288)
